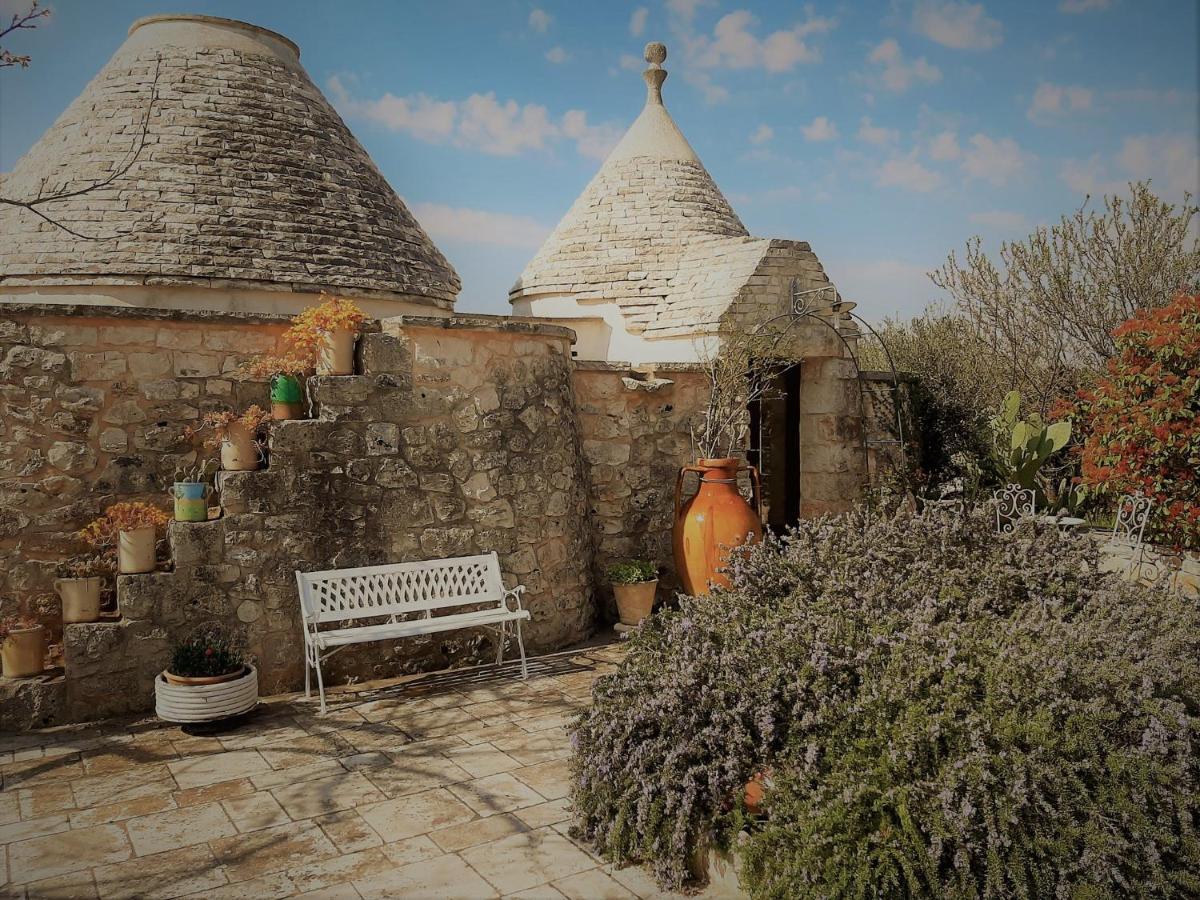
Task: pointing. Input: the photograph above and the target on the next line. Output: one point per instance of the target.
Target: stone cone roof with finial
(247, 178)
(651, 232)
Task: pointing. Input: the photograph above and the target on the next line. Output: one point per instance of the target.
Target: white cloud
(762, 134)
(1088, 176)
(994, 161)
(631, 63)
(686, 9)
(478, 226)
(539, 20)
(1051, 100)
(907, 173)
(820, 129)
(875, 134)
(594, 141)
(999, 218)
(897, 74)
(713, 92)
(944, 146)
(734, 46)
(1074, 7)
(1173, 161)
(480, 122)
(637, 22)
(961, 26)
(557, 55)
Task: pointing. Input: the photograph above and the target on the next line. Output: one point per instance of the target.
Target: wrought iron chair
(1133, 512)
(1012, 503)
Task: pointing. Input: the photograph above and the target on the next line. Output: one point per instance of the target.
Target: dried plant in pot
(130, 531)
(634, 583)
(209, 678)
(235, 435)
(79, 584)
(191, 490)
(328, 332)
(22, 647)
(285, 372)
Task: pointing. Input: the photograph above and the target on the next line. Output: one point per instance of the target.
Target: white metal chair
(1133, 512)
(1013, 503)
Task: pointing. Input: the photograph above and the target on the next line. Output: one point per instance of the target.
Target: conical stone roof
(624, 237)
(247, 178)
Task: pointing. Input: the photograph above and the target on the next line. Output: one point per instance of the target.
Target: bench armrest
(515, 593)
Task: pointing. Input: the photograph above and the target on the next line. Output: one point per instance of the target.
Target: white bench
(408, 594)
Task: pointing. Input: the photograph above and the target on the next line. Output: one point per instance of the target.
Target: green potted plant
(191, 489)
(22, 647)
(634, 582)
(79, 583)
(285, 373)
(209, 678)
(131, 531)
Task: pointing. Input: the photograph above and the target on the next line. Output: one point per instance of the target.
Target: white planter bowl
(205, 702)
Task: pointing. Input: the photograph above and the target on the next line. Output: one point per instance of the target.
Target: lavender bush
(943, 712)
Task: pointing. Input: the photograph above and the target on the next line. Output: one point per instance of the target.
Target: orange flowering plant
(1142, 419)
(102, 533)
(219, 424)
(305, 339)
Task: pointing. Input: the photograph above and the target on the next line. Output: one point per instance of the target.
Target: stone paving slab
(448, 785)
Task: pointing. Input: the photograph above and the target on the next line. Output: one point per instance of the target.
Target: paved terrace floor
(448, 785)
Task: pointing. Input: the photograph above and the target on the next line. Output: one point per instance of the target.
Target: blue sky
(885, 134)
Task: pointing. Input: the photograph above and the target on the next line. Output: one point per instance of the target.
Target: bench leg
(307, 671)
(320, 680)
(502, 637)
(521, 644)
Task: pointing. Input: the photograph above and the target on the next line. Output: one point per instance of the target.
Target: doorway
(775, 448)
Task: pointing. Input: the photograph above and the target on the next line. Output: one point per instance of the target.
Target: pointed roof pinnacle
(655, 54)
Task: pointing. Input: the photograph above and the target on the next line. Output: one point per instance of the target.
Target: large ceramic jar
(22, 652)
(337, 352)
(239, 448)
(714, 520)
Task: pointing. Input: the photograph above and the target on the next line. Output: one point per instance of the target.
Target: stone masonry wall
(92, 409)
(459, 437)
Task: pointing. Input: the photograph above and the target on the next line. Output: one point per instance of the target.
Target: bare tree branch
(20, 21)
(129, 160)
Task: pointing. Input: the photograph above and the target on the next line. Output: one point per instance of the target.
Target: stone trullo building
(223, 193)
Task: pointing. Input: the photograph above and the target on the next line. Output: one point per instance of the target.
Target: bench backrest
(343, 594)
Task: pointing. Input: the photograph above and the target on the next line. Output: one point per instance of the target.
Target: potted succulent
(191, 490)
(132, 530)
(22, 647)
(237, 436)
(79, 583)
(328, 331)
(634, 583)
(209, 678)
(285, 372)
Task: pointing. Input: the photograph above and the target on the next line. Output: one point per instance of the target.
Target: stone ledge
(86, 310)
(479, 322)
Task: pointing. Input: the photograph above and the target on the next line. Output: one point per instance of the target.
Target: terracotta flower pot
(204, 679)
(712, 522)
(239, 449)
(80, 598)
(23, 653)
(635, 601)
(135, 551)
(337, 353)
(756, 790)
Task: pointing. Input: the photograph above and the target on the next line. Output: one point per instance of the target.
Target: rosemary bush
(943, 713)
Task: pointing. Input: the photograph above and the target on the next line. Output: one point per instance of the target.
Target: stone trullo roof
(651, 224)
(247, 178)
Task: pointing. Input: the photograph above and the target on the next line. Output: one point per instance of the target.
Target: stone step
(248, 492)
(32, 702)
(385, 354)
(339, 397)
(197, 543)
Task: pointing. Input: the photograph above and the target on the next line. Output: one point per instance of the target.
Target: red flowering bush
(1142, 419)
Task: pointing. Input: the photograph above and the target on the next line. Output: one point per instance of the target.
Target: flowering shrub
(943, 713)
(102, 533)
(207, 652)
(1143, 419)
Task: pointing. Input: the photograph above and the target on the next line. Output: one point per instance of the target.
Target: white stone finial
(655, 54)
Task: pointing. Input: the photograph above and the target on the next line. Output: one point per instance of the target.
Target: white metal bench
(408, 595)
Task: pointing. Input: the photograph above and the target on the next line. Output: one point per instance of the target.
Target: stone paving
(447, 785)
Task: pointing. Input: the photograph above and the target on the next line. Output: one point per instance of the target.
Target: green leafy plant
(1022, 446)
(207, 652)
(942, 714)
(632, 571)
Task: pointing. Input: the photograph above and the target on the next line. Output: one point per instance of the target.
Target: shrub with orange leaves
(306, 338)
(103, 532)
(1142, 419)
(217, 424)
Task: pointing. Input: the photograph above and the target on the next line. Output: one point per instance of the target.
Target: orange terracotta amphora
(714, 520)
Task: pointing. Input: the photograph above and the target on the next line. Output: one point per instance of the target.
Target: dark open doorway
(775, 448)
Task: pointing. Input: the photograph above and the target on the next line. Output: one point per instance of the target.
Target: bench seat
(415, 598)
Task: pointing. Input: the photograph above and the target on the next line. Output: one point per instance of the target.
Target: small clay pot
(191, 501)
(239, 449)
(635, 601)
(23, 653)
(756, 791)
(80, 598)
(337, 353)
(283, 412)
(135, 551)
(203, 679)
(287, 398)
